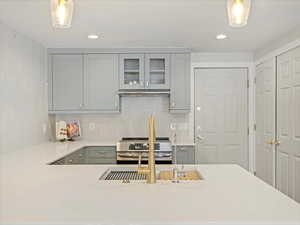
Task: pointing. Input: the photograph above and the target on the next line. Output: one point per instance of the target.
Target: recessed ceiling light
(93, 36)
(221, 36)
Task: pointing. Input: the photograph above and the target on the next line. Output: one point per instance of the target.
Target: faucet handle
(140, 160)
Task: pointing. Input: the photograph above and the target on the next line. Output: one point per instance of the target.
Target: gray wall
(109, 128)
(23, 95)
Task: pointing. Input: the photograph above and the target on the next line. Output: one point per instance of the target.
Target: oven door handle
(157, 155)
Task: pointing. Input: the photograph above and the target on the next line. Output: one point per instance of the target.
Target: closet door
(288, 149)
(265, 121)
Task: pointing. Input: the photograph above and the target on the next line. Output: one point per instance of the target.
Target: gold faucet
(150, 169)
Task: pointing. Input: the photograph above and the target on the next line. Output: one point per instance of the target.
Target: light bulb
(61, 12)
(238, 12)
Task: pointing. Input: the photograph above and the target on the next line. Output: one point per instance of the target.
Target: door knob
(276, 142)
(273, 142)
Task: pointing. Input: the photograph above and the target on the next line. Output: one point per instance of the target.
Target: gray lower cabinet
(101, 155)
(77, 157)
(185, 154)
(90, 155)
(101, 82)
(180, 99)
(67, 82)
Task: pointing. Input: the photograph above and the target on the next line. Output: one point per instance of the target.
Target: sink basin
(122, 174)
(130, 174)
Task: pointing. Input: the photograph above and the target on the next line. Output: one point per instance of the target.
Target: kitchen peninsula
(33, 192)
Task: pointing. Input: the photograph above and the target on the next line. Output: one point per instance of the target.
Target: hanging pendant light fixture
(62, 13)
(238, 12)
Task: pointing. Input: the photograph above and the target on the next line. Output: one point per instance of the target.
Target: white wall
(23, 95)
(282, 44)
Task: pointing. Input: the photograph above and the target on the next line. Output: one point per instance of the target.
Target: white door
(288, 124)
(265, 121)
(221, 116)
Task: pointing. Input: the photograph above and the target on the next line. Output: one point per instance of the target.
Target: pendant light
(62, 13)
(238, 12)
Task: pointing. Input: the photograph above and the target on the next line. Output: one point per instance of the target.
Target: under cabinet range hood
(143, 92)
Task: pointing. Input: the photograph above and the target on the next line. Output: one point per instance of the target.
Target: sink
(122, 174)
(130, 174)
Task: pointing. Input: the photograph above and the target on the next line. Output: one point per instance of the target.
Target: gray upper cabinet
(101, 82)
(67, 78)
(86, 82)
(157, 71)
(180, 83)
(132, 71)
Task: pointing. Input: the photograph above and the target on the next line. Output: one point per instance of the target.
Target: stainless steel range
(128, 150)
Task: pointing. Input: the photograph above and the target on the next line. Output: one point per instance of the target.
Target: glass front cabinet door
(157, 71)
(132, 71)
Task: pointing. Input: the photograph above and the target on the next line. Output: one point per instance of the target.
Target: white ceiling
(153, 23)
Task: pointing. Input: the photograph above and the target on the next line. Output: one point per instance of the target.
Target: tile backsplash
(132, 121)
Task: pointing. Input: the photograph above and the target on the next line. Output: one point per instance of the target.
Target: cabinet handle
(147, 83)
(173, 104)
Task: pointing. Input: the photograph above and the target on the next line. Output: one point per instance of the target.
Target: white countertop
(32, 192)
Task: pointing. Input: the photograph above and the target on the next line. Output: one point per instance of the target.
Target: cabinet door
(157, 71)
(101, 82)
(101, 155)
(67, 75)
(132, 71)
(180, 83)
(185, 155)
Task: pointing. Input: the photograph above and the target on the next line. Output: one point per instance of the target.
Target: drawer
(101, 154)
(100, 148)
(101, 161)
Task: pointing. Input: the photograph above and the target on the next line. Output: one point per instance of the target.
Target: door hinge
(248, 83)
(254, 127)
(248, 131)
(254, 173)
(255, 80)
